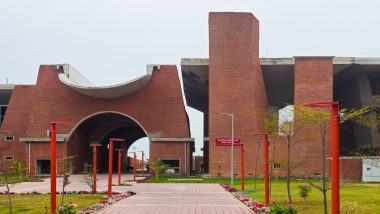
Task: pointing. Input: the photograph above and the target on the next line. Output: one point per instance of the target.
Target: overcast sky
(111, 41)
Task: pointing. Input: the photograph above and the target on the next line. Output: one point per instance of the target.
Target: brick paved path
(152, 198)
(178, 198)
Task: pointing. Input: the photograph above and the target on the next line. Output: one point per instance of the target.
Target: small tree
(321, 118)
(283, 126)
(304, 192)
(370, 114)
(66, 172)
(158, 167)
(5, 175)
(16, 171)
(88, 178)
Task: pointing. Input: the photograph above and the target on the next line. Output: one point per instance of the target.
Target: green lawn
(365, 195)
(36, 203)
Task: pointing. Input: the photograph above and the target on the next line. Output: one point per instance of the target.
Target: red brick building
(234, 80)
(151, 106)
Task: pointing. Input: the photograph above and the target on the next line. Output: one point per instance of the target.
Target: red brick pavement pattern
(178, 198)
(152, 198)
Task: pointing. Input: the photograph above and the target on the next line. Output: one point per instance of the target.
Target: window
(173, 166)
(374, 81)
(9, 158)
(3, 109)
(276, 166)
(9, 138)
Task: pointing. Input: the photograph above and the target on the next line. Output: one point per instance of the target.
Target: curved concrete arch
(75, 80)
(105, 112)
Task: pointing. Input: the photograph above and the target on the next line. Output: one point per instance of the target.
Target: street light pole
(53, 164)
(110, 159)
(119, 166)
(142, 163)
(242, 166)
(335, 189)
(134, 165)
(266, 166)
(232, 143)
(94, 167)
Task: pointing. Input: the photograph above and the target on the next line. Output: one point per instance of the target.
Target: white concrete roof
(75, 80)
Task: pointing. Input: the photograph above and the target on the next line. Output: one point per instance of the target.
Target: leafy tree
(5, 176)
(284, 130)
(88, 178)
(158, 167)
(304, 192)
(16, 171)
(370, 114)
(66, 172)
(321, 117)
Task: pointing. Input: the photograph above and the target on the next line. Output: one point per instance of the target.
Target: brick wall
(235, 86)
(158, 107)
(313, 82)
(173, 151)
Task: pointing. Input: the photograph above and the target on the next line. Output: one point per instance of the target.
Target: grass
(31, 204)
(17, 179)
(365, 195)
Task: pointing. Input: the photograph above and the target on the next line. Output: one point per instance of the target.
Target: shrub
(278, 209)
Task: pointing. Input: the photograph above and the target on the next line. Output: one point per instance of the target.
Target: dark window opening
(173, 166)
(276, 166)
(3, 109)
(9, 138)
(374, 81)
(42, 166)
(9, 158)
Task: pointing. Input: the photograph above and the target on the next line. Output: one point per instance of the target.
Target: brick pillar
(313, 82)
(235, 86)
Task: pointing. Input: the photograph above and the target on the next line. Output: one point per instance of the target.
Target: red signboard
(226, 142)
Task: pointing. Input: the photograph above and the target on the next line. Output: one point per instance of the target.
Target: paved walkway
(77, 183)
(178, 198)
(152, 198)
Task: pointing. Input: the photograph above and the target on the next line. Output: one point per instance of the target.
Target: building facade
(233, 80)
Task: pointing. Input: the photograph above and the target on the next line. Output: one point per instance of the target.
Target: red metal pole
(53, 178)
(119, 166)
(266, 166)
(242, 166)
(335, 194)
(335, 207)
(110, 168)
(94, 167)
(142, 166)
(31, 167)
(134, 166)
(266, 169)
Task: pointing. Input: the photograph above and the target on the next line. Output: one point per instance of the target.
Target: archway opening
(99, 128)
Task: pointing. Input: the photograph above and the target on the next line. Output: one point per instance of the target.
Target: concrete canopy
(278, 76)
(75, 80)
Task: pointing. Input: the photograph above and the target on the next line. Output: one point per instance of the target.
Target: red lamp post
(31, 173)
(242, 166)
(94, 167)
(335, 202)
(142, 163)
(119, 165)
(53, 164)
(110, 163)
(266, 166)
(134, 165)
